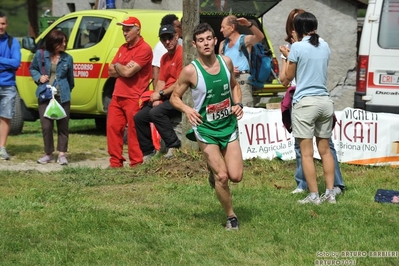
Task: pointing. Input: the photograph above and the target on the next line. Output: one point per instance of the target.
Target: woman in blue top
(54, 66)
(313, 110)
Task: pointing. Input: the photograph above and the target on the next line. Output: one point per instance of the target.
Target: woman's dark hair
(201, 28)
(306, 24)
(289, 26)
(55, 39)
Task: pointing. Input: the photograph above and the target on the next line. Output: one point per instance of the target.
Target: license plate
(389, 79)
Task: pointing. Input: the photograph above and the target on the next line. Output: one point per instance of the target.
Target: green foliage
(17, 13)
(361, 13)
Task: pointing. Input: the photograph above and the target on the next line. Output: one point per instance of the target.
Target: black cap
(166, 29)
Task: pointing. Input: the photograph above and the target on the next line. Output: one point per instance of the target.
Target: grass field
(85, 142)
(166, 214)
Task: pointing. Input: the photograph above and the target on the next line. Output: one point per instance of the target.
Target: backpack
(10, 41)
(259, 63)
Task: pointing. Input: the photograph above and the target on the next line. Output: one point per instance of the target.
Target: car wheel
(107, 96)
(107, 93)
(17, 122)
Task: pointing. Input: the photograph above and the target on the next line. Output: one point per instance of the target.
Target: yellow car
(93, 39)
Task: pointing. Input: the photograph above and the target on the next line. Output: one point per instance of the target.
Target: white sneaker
(148, 157)
(309, 199)
(170, 154)
(337, 191)
(330, 198)
(297, 191)
(3, 154)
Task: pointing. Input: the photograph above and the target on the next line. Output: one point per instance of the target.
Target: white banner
(263, 135)
(360, 137)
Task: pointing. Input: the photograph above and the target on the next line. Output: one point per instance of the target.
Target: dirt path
(32, 165)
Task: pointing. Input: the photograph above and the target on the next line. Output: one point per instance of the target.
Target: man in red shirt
(132, 69)
(158, 109)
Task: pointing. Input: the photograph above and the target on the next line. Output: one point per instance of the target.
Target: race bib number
(218, 111)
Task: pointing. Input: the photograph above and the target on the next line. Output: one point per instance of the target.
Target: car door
(88, 49)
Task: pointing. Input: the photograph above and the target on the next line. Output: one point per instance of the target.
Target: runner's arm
(181, 86)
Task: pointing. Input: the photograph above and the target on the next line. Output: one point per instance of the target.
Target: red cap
(130, 22)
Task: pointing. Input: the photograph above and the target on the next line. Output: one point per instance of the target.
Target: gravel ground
(10, 165)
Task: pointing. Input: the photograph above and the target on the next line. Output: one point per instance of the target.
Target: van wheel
(106, 102)
(17, 121)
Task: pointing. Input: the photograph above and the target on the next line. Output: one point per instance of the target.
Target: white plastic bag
(54, 110)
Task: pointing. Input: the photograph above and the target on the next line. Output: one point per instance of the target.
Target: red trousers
(121, 111)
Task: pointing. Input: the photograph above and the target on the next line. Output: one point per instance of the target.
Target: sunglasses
(167, 37)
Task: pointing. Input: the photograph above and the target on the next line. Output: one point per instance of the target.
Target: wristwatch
(161, 92)
(240, 104)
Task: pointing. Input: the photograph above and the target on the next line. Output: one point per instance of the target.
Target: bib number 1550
(218, 110)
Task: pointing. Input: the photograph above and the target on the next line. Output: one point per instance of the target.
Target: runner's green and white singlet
(213, 100)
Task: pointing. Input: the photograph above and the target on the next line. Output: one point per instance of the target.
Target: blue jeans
(7, 101)
(300, 177)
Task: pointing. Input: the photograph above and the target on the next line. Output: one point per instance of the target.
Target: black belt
(244, 72)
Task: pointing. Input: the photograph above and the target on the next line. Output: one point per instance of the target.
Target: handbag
(45, 93)
(44, 89)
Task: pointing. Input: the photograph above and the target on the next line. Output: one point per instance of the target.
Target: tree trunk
(33, 19)
(189, 21)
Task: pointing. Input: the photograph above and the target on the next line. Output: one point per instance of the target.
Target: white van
(377, 82)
